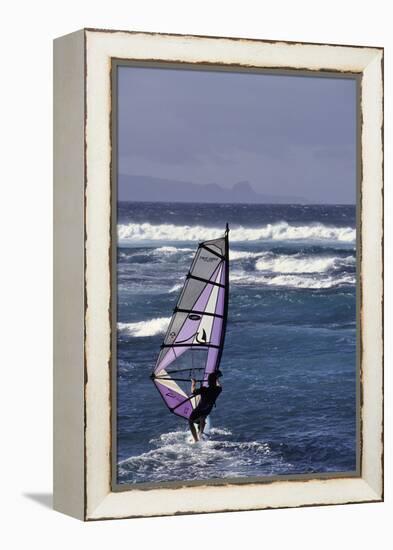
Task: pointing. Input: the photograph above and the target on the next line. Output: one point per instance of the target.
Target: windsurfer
(208, 395)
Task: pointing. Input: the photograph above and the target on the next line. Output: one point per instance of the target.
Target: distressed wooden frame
(83, 247)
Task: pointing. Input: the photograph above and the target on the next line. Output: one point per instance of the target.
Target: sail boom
(183, 370)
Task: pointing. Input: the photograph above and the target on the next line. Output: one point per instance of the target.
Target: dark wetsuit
(208, 398)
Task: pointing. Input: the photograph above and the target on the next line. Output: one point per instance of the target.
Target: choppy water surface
(289, 364)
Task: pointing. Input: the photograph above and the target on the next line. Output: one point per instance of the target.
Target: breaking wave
(144, 328)
(169, 250)
(132, 253)
(277, 232)
(292, 281)
(244, 255)
(289, 270)
(297, 263)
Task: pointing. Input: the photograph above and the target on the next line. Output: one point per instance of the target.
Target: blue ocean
(288, 404)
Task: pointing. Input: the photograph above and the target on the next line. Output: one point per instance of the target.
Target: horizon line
(246, 203)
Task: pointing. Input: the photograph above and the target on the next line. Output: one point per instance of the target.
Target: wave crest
(244, 255)
(293, 281)
(301, 264)
(144, 328)
(169, 250)
(278, 231)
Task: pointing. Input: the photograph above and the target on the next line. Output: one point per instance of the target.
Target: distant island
(150, 189)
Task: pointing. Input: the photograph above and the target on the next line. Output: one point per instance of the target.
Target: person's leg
(193, 430)
(202, 424)
(194, 417)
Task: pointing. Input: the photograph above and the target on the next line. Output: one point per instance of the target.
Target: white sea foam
(301, 264)
(145, 328)
(219, 431)
(292, 271)
(292, 281)
(175, 288)
(278, 231)
(174, 456)
(169, 250)
(244, 255)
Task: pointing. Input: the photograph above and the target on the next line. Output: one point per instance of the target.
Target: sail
(194, 341)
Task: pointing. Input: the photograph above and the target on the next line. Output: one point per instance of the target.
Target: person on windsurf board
(196, 334)
(208, 396)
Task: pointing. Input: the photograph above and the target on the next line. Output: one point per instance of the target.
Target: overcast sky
(286, 135)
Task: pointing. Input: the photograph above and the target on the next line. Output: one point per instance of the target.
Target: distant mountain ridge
(150, 189)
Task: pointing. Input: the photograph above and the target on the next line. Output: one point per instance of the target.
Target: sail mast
(226, 300)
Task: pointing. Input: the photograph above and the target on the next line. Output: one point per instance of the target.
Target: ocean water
(288, 404)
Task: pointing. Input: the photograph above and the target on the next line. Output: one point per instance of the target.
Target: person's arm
(194, 389)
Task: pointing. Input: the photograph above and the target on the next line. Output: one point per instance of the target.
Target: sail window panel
(190, 364)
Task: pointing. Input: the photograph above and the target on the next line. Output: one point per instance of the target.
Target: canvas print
(236, 275)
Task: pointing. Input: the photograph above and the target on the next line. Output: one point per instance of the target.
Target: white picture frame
(83, 246)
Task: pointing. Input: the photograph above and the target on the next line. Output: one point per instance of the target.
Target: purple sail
(194, 341)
